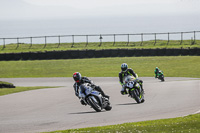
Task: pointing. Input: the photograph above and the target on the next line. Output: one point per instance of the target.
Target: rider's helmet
(157, 70)
(77, 77)
(124, 67)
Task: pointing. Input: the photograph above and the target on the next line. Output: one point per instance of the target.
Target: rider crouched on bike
(125, 72)
(157, 72)
(79, 89)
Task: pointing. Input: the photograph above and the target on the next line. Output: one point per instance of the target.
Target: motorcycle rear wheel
(108, 107)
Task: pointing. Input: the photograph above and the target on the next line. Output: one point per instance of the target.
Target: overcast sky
(50, 9)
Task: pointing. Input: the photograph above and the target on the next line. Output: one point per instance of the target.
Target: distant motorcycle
(95, 99)
(161, 76)
(134, 89)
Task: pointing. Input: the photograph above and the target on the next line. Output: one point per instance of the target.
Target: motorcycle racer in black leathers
(125, 71)
(79, 80)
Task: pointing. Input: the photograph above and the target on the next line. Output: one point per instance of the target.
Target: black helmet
(77, 76)
(124, 67)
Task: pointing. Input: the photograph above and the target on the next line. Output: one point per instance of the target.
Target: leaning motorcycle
(134, 89)
(161, 76)
(95, 99)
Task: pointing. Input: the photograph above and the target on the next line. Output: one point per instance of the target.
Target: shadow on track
(127, 104)
(86, 112)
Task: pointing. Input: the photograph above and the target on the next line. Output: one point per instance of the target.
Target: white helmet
(124, 67)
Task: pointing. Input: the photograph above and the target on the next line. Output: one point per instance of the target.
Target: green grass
(6, 91)
(16, 48)
(187, 124)
(173, 66)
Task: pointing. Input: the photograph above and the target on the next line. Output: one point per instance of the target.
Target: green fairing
(132, 89)
(158, 74)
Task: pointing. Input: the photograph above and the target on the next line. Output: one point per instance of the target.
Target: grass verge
(6, 91)
(17, 48)
(187, 124)
(172, 66)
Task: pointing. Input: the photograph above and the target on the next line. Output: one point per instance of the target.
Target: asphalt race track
(59, 109)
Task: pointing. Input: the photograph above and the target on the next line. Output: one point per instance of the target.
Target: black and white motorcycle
(134, 89)
(95, 99)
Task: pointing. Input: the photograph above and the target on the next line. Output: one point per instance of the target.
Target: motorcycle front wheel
(161, 78)
(94, 102)
(135, 93)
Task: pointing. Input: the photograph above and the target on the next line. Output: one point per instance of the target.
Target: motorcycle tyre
(137, 99)
(142, 100)
(93, 105)
(108, 107)
(161, 78)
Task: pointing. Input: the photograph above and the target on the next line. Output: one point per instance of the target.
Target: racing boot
(106, 96)
(123, 90)
(83, 102)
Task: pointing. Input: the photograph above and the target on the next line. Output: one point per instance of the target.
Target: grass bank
(17, 48)
(173, 66)
(6, 91)
(187, 124)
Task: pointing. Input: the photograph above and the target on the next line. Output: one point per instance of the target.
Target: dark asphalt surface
(59, 109)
